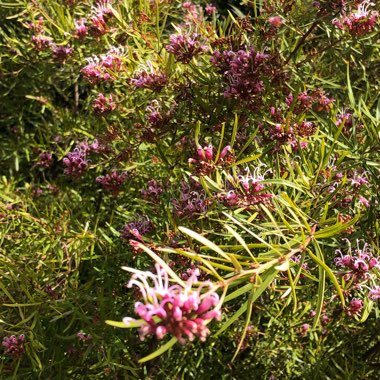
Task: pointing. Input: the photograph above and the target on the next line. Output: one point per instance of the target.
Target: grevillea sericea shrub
(189, 190)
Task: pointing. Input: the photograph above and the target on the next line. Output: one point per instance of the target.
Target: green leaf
(240, 240)
(160, 351)
(122, 325)
(234, 131)
(330, 274)
(321, 286)
(231, 320)
(237, 293)
(212, 246)
(247, 320)
(336, 229)
(162, 263)
(269, 275)
(248, 159)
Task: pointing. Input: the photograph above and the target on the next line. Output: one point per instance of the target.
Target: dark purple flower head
(345, 118)
(154, 114)
(206, 161)
(180, 310)
(304, 129)
(304, 329)
(244, 71)
(83, 337)
(45, 159)
(185, 47)
(61, 53)
(325, 320)
(153, 192)
(315, 99)
(191, 203)
(136, 229)
(112, 182)
(75, 163)
(14, 346)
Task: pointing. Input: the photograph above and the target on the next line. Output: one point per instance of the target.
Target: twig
(302, 40)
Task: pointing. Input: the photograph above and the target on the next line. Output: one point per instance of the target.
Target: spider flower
(359, 22)
(150, 78)
(185, 47)
(180, 310)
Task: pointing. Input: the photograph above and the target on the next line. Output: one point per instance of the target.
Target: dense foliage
(225, 156)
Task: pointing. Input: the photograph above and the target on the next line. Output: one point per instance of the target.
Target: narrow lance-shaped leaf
(211, 245)
(160, 351)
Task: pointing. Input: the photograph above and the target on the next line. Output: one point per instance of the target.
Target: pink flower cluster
(148, 77)
(42, 42)
(275, 21)
(210, 9)
(185, 47)
(81, 29)
(243, 71)
(154, 115)
(360, 21)
(354, 307)
(39, 40)
(103, 106)
(286, 131)
(249, 193)
(345, 118)
(374, 293)
(103, 69)
(206, 163)
(83, 337)
(247, 72)
(14, 346)
(182, 311)
(315, 99)
(192, 11)
(101, 14)
(357, 264)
